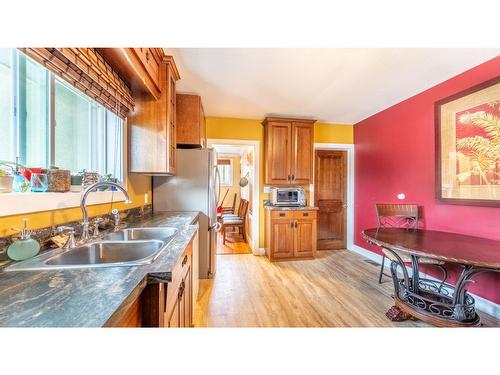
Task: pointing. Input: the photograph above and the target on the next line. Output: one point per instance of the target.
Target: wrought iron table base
(436, 302)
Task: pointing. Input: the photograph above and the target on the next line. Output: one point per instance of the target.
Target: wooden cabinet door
(188, 300)
(277, 154)
(171, 124)
(282, 240)
(302, 153)
(173, 317)
(304, 238)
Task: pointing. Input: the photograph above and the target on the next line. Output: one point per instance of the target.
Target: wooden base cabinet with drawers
(288, 151)
(290, 234)
(179, 299)
(168, 305)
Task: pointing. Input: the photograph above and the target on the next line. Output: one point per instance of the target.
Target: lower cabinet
(167, 305)
(179, 294)
(180, 311)
(290, 234)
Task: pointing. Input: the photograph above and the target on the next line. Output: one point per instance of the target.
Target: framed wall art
(468, 146)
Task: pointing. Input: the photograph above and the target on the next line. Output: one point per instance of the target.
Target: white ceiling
(330, 85)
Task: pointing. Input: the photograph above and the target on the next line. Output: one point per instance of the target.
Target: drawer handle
(181, 288)
(305, 214)
(282, 214)
(184, 261)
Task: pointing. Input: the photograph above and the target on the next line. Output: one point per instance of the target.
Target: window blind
(86, 70)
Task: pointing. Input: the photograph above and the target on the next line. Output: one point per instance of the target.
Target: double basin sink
(126, 247)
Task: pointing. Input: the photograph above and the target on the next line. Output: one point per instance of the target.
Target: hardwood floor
(234, 245)
(337, 289)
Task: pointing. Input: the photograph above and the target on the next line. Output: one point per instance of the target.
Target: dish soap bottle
(25, 247)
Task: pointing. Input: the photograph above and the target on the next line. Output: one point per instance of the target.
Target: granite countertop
(88, 297)
(281, 208)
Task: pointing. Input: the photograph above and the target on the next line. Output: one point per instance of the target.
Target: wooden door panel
(282, 237)
(278, 153)
(172, 319)
(330, 197)
(305, 238)
(302, 153)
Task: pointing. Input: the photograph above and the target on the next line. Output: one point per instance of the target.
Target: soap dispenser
(25, 247)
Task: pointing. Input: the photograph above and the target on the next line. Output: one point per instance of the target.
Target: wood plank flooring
(234, 245)
(337, 289)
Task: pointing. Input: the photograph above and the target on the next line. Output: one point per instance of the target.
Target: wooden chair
(236, 221)
(392, 215)
(230, 210)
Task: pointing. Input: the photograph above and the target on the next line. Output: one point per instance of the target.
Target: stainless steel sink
(127, 247)
(133, 234)
(103, 253)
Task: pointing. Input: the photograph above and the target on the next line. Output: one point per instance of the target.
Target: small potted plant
(76, 179)
(106, 177)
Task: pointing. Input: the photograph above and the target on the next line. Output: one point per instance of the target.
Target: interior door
(330, 196)
(278, 153)
(302, 153)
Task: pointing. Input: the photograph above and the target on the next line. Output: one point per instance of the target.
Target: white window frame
(231, 172)
(21, 203)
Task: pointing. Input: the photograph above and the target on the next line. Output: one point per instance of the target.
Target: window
(45, 121)
(225, 167)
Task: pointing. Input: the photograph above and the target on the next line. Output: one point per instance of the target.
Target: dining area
(419, 262)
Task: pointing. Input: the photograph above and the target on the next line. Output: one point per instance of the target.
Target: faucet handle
(71, 242)
(117, 218)
(97, 221)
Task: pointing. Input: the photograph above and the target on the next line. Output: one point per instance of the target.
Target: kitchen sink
(108, 252)
(126, 247)
(133, 234)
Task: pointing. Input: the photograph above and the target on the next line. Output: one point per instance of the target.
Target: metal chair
(392, 215)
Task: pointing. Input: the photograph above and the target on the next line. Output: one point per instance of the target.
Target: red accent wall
(394, 153)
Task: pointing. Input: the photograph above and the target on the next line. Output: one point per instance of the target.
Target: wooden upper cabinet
(152, 126)
(140, 67)
(190, 121)
(302, 153)
(288, 151)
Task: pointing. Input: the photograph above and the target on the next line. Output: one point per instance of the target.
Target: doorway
(238, 167)
(330, 196)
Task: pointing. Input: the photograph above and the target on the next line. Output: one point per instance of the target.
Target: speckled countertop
(281, 208)
(88, 297)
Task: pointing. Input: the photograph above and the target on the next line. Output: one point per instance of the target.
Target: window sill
(22, 203)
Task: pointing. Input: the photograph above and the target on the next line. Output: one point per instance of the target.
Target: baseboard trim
(482, 304)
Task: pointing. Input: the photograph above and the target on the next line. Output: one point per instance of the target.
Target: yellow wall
(244, 129)
(137, 186)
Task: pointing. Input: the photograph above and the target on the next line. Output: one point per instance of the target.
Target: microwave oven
(289, 196)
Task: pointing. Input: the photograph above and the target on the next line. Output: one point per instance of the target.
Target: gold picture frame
(468, 146)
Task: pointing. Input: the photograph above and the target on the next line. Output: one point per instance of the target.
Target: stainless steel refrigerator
(195, 187)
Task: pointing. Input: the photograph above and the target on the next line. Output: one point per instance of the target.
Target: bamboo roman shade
(223, 162)
(86, 69)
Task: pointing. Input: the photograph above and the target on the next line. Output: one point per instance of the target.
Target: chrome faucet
(83, 204)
